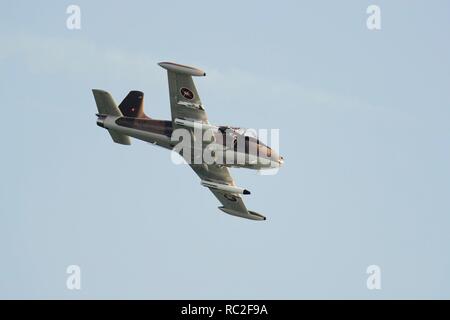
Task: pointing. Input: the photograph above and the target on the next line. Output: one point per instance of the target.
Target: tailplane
(107, 107)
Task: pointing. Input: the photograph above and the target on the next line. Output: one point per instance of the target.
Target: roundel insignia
(186, 93)
(230, 197)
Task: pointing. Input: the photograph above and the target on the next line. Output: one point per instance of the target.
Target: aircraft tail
(107, 107)
(133, 105)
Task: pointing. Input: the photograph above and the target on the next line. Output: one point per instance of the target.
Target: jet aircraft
(189, 116)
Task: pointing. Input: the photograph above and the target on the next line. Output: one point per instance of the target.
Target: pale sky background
(364, 128)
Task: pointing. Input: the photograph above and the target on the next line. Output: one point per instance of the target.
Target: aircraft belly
(154, 138)
(240, 160)
(148, 136)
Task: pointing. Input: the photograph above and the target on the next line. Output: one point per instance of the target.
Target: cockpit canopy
(238, 131)
(245, 139)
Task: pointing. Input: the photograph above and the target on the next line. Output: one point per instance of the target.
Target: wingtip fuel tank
(179, 68)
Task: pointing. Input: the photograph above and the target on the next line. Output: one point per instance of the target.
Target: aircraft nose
(276, 161)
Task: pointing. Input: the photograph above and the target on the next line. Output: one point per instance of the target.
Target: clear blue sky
(364, 129)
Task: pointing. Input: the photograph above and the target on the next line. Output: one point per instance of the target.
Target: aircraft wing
(185, 102)
(185, 105)
(232, 202)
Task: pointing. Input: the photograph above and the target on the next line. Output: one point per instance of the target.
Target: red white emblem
(230, 197)
(186, 93)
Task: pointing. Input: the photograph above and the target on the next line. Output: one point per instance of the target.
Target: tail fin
(133, 105)
(107, 107)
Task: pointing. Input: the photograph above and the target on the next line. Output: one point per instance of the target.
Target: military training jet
(208, 149)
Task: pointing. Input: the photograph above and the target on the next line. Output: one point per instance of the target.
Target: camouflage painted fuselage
(231, 148)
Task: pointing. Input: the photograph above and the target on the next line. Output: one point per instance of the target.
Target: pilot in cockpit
(228, 134)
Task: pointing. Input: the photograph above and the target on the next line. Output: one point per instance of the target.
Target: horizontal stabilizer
(107, 107)
(105, 103)
(119, 138)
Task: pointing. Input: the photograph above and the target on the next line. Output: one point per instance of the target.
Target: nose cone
(276, 160)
